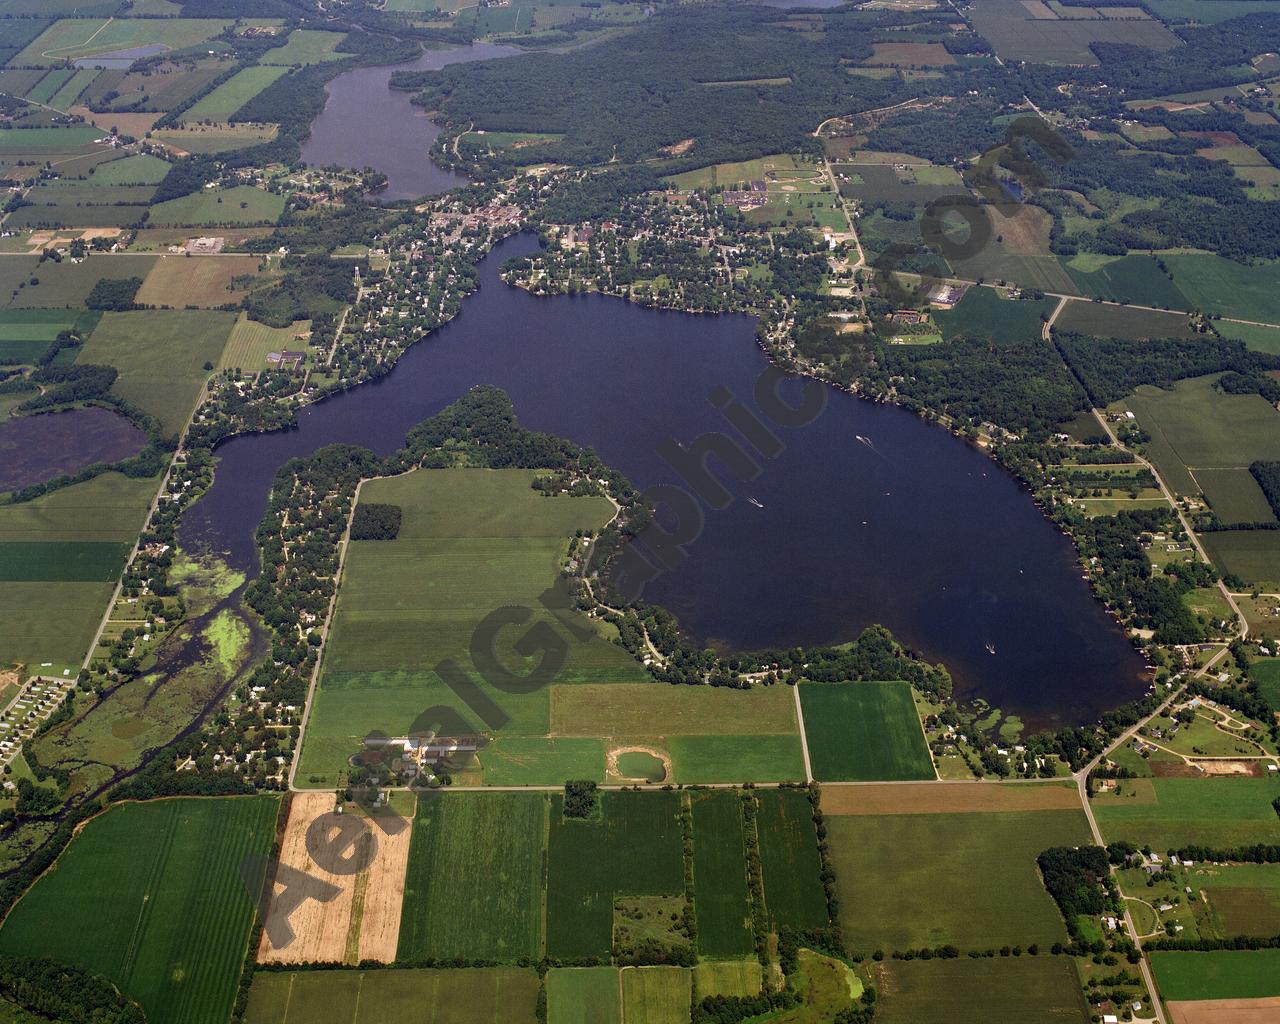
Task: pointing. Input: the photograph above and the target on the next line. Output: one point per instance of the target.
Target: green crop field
(910, 880)
(583, 995)
(727, 978)
(1258, 338)
(634, 849)
(242, 204)
(1023, 990)
(720, 875)
(476, 995)
(150, 895)
(232, 94)
(983, 313)
(48, 142)
(655, 995)
(306, 46)
(44, 89)
(66, 97)
(1121, 321)
(471, 541)
(788, 841)
(250, 342)
(1221, 974)
(65, 284)
(1222, 286)
(1235, 495)
(141, 169)
(482, 852)
(1168, 813)
(54, 622)
(864, 731)
(1245, 898)
(1128, 279)
(1253, 555)
(541, 760)
(1267, 672)
(63, 562)
(160, 355)
(759, 758)
(68, 215)
(71, 38)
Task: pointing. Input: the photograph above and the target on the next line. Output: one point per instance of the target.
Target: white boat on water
(755, 503)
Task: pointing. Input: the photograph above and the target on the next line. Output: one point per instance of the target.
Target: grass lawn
(984, 313)
(477, 995)
(1168, 813)
(910, 880)
(161, 356)
(1022, 990)
(232, 94)
(583, 995)
(720, 875)
(864, 732)
(788, 842)
(306, 46)
(482, 851)
(150, 895)
(470, 541)
(634, 848)
(1220, 974)
(242, 204)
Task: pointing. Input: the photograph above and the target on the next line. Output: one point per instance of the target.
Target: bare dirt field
(1226, 1011)
(204, 281)
(384, 896)
(136, 125)
(944, 797)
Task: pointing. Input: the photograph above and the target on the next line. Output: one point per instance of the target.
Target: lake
(34, 449)
(909, 526)
(365, 123)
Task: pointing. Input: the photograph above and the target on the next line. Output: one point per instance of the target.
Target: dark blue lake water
(911, 528)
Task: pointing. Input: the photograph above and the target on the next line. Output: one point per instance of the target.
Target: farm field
(943, 798)
(470, 541)
(165, 87)
(25, 334)
(205, 281)
(1260, 339)
(150, 895)
(737, 759)
(741, 173)
(216, 137)
(793, 893)
(1253, 555)
(583, 995)
(1122, 322)
(66, 214)
(160, 355)
(142, 169)
(306, 46)
(727, 978)
(232, 94)
(54, 621)
(864, 732)
(1016, 35)
(1134, 278)
(1219, 974)
(633, 849)
(655, 995)
(1026, 990)
(250, 342)
(483, 995)
(483, 852)
(941, 893)
(241, 204)
(65, 284)
(70, 38)
(1168, 813)
(720, 875)
(1245, 898)
(984, 313)
(1227, 288)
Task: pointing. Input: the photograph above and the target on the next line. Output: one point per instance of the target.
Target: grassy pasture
(541, 761)
(655, 995)
(71, 38)
(232, 94)
(634, 849)
(241, 204)
(163, 88)
(470, 541)
(1122, 322)
(49, 142)
(737, 173)
(789, 859)
(478, 995)
(140, 169)
(1222, 286)
(1260, 339)
(1221, 974)
(65, 97)
(204, 281)
(1133, 278)
(984, 313)
(306, 46)
(720, 875)
(864, 731)
(250, 342)
(760, 758)
(1167, 813)
(1025, 990)
(215, 138)
(68, 214)
(160, 355)
(909, 880)
(65, 284)
(484, 852)
(44, 89)
(727, 978)
(1245, 898)
(150, 895)
(583, 995)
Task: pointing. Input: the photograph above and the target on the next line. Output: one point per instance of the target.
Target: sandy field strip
(1226, 1011)
(944, 798)
(384, 897)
